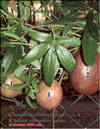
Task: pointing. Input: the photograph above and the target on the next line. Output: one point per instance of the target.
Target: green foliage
(89, 45)
(65, 58)
(14, 87)
(48, 46)
(35, 54)
(50, 66)
(4, 4)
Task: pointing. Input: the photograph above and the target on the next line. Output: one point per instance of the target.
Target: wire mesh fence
(43, 119)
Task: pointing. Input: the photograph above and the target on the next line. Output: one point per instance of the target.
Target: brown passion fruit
(86, 79)
(49, 97)
(10, 93)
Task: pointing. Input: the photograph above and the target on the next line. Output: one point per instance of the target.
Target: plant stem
(53, 33)
(53, 119)
(60, 81)
(21, 43)
(74, 34)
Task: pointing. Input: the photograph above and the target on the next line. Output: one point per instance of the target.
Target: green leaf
(3, 77)
(22, 77)
(5, 43)
(50, 66)
(8, 58)
(29, 102)
(4, 4)
(96, 16)
(16, 56)
(58, 6)
(11, 35)
(99, 49)
(68, 41)
(18, 30)
(19, 69)
(89, 46)
(26, 12)
(65, 58)
(93, 29)
(67, 19)
(14, 8)
(31, 94)
(36, 53)
(35, 85)
(14, 87)
(80, 22)
(67, 29)
(39, 36)
(75, 4)
(20, 7)
(36, 64)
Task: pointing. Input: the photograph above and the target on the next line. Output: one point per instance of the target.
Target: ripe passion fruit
(86, 79)
(10, 93)
(49, 97)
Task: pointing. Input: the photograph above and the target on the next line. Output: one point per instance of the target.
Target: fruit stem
(60, 81)
(53, 118)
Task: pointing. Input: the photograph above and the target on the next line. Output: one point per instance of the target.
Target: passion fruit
(85, 79)
(49, 97)
(10, 93)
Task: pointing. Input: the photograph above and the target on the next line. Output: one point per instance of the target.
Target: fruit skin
(49, 97)
(86, 79)
(10, 93)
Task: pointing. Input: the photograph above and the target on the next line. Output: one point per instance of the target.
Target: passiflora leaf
(5, 43)
(93, 29)
(10, 34)
(68, 18)
(35, 85)
(14, 87)
(22, 77)
(18, 30)
(4, 4)
(31, 94)
(19, 69)
(80, 22)
(27, 12)
(17, 54)
(8, 58)
(36, 64)
(75, 4)
(39, 36)
(65, 58)
(89, 46)
(50, 66)
(58, 6)
(3, 77)
(29, 102)
(68, 41)
(67, 29)
(99, 49)
(36, 53)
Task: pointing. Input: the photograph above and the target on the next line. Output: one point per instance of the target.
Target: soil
(84, 111)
